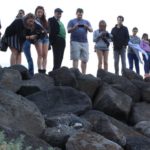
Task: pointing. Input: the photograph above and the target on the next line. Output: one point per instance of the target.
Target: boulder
(102, 125)
(143, 127)
(121, 83)
(140, 112)
(134, 140)
(144, 88)
(131, 75)
(70, 120)
(63, 77)
(22, 70)
(85, 140)
(39, 82)
(113, 102)
(9, 135)
(19, 113)
(10, 79)
(60, 100)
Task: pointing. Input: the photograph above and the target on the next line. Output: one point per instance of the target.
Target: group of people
(44, 34)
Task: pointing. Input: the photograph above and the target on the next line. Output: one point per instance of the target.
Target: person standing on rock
(132, 57)
(101, 37)
(145, 45)
(120, 41)
(79, 28)
(57, 38)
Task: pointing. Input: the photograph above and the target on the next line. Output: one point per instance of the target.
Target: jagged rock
(113, 102)
(60, 100)
(28, 141)
(63, 77)
(61, 127)
(121, 83)
(140, 112)
(143, 127)
(19, 113)
(87, 83)
(70, 120)
(23, 71)
(39, 82)
(10, 79)
(131, 75)
(144, 88)
(134, 140)
(102, 125)
(90, 141)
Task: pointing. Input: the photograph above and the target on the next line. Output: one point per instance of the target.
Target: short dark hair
(135, 28)
(121, 17)
(80, 10)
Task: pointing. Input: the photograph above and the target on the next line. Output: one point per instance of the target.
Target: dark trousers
(58, 47)
(132, 58)
(146, 64)
(27, 52)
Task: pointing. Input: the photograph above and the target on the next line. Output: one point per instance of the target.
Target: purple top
(145, 45)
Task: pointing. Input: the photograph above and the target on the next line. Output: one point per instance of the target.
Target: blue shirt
(80, 34)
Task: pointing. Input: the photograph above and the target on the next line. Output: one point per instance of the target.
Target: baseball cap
(58, 10)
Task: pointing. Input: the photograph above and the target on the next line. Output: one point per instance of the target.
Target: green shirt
(62, 32)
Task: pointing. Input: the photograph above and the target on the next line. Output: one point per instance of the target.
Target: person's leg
(83, 66)
(75, 53)
(130, 60)
(99, 56)
(146, 66)
(13, 57)
(123, 58)
(136, 60)
(84, 56)
(27, 52)
(38, 47)
(18, 59)
(58, 52)
(116, 62)
(44, 53)
(105, 54)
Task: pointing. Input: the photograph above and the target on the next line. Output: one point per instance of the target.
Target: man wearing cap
(78, 28)
(57, 35)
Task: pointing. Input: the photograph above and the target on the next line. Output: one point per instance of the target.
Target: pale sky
(135, 12)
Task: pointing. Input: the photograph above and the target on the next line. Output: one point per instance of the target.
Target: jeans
(132, 58)
(58, 51)
(117, 53)
(146, 64)
(27, 52)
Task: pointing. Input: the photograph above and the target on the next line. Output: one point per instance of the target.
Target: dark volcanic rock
(10, 79)
(60, 100)
(19, 113)
(140, 112)
(23, 71)
(113, 102)
(131, 75)
(102, 125)
(90, 141)
(63, 77)
(39, 82)
(121, 83)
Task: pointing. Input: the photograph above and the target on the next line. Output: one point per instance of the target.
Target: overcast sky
(135, 12)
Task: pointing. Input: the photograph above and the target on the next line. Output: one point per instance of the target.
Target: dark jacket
(53, 28)
(120, 37)
(17, 28)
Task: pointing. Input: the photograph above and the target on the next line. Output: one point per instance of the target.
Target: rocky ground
(66, 110)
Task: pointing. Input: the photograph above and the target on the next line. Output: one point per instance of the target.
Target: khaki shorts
(80, 51)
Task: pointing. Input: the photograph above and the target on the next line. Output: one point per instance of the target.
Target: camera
(81, 25)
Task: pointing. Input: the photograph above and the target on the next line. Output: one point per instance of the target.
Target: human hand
(33, 37)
